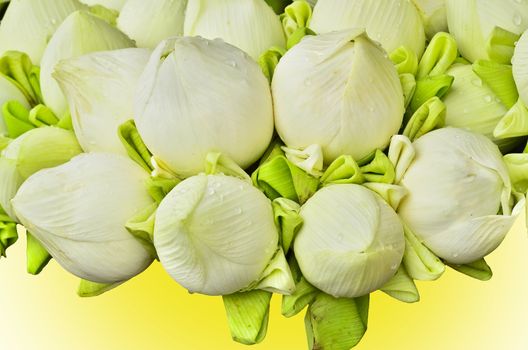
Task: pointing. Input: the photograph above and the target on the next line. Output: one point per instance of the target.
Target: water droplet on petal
(488, 98)
(517, 19)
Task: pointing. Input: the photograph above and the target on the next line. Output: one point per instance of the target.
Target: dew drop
(477, 82)
(238, 211)
(455, 255)
(53, 21)
(394, 267)
(488, 98)
(211, 191)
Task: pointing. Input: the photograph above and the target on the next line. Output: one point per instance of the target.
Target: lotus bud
(459, 195)
(393, 23)
(473, 22)
(215, 234)
(34, 150)
(78, 211)
(340, 91)
(28, 24)
(351, 242)
(79, 34)
(250, 25)
(100, 88)
(184, 109)
(149, 22)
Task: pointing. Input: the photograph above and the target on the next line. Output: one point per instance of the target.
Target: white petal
(28, 24)
(78, 212)
(197, 96)
(116, 5)
(250, 25)
(100, 88)
(215, 234)
(149, 22)
(393, 23)
(520, 67)
(340, 91)
(351, 242)
(79, 34)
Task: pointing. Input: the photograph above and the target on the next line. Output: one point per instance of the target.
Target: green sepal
(479, 270)
(8, 232)
(16, 118)
(379, 169)
(440, 54)
(18, 69)
(402, 287)
(218, 163)
(392, 194)
(276, 277)
(65, 122)
(141, 226)
(297, 36)
(514, 123)
(288, 221)
(421, 264)
(41, 115)
(499, 78)
(431, 115)
(304, 294)
(159, 187)
(89, 289)
(517, 164)
(104, 13)
(336, 324)
(428, 87)
(269, 60)
(405, 60)
(501, 45)
(278, 177)
(343, 170)
(37, 257)
(408, 83)
(248, 315)
(134, 145)
(296, 15)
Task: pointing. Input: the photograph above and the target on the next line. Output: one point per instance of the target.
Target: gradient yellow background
(153, 312)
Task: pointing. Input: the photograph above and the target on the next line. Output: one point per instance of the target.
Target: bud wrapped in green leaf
(78, 212)
(149, 22)
(184, 109)
(340, 91)
(460, 200)
(28, 25)
(479, 25)
(79, 34)
(393, 23)
(250, 25)
(100, 88)
(215, 235)
(351, 242)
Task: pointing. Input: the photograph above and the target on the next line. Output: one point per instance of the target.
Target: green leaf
(269, 60)
(343, 170)
(92, 289)
(428, 87)
(392, 194)
(405, 60)
(431, 115)
(514, 123)
(336, 324)
(408, 83)
(304, 294)
(499, 78)
(41, 115)
(134, 145)
(16, 118)
(501, 45)
(380, 169)
(278, 5)
(141, 226)
(247, 315)
(420, 263)
(17, 67)
(440, 54)
(402, 287)
(8, 233)
(479, 270)
(288, 221)
(37, 256)
(106, 14)
(158, 187)
(295, 21)
(278, 177)
(277, 277)
(218, 163)
(517, 164)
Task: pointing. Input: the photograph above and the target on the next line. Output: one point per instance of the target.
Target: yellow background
(153, 312)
